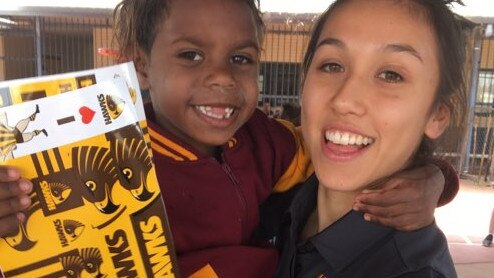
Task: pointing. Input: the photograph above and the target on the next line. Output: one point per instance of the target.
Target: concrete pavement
(465, 222)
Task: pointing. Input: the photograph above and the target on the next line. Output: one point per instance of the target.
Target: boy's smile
(216, 116)
(203, 81)
(218, 113)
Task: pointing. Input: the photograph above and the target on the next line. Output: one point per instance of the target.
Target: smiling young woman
(380, 79)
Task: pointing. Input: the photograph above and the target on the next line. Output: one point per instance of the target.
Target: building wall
(487, 56)
(2, 61)
(285, 43)
(104, 51)
(19, 57)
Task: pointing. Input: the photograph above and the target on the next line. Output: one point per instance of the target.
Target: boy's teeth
(217, 113)
(346, 138)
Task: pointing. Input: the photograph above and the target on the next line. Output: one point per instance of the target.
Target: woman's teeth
(346, 138)
(216, 112)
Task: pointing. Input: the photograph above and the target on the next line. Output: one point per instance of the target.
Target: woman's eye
(332, 67)
(240, 59)
(190, 55)
(390, 76)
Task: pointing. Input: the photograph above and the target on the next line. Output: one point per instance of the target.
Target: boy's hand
(406, 202)
(14, 198)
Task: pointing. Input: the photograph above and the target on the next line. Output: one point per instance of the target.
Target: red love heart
(87, 114)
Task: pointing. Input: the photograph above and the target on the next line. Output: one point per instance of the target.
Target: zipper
(241, 198)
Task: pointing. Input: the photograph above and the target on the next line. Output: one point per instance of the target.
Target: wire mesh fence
(481, 150)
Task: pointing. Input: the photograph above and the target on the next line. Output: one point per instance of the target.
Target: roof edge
(56, 11)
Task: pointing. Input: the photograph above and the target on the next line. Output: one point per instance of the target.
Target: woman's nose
(349, 95)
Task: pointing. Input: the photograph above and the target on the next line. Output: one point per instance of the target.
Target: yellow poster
(96, 206)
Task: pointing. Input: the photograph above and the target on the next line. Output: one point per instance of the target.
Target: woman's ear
(438, 122)
(141, 63)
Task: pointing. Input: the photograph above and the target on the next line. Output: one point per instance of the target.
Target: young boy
(217, 157)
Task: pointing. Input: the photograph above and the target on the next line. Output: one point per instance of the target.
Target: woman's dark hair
(291, 112)
(451, 52)
(136, 23)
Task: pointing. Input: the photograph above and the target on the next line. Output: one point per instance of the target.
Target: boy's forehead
(215, 19)
(189, 7)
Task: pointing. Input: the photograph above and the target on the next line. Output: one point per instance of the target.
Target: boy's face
(202, 71)
(368, 93)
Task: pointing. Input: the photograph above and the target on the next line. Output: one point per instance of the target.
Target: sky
(483, 8)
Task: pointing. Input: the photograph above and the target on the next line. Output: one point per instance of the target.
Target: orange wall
(285, 42)
(487, 58)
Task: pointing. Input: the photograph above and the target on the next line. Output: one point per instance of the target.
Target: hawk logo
(97, 173)
(88, 260)
(68, 230)
(55, 193)
(111, 107)
(92, 261)
(72, 266)
(133, 164)
(73, 228)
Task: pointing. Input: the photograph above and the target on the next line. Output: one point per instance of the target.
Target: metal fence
(40, 45)
(479, 145)
(34, 46)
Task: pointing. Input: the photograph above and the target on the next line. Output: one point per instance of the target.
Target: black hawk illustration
(96, 170)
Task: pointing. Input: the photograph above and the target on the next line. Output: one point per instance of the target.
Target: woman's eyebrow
(395, 47)
(331, 41)
(404, 48)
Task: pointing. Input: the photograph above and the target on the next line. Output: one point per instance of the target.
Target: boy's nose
(221, 76)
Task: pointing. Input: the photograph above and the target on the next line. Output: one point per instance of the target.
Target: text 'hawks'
(111, 107)
(104, 109)
(156, 247)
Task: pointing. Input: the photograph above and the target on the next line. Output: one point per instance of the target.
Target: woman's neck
(331, 206)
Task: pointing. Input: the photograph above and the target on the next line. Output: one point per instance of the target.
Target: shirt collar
(345, 240)
(342, 242)
(302, 206)
(168, 145)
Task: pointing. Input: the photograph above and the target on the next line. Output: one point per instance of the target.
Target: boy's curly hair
(136, 23)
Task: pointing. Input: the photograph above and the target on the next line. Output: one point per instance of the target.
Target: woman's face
(368, 93)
